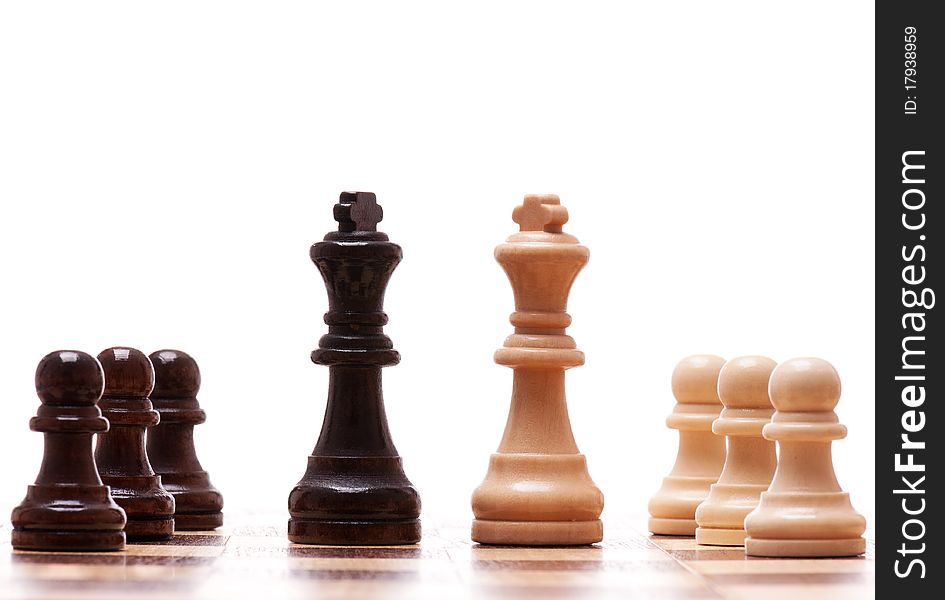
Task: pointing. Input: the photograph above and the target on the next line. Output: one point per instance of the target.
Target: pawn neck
(122, 450)
(701, 452)
(170, 444)
(67, 459)
(805, 467)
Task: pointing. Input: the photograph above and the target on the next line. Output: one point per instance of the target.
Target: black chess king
(354, 491)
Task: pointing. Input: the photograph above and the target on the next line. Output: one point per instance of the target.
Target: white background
(165, 168)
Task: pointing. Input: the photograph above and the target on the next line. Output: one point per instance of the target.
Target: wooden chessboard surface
(250, 557)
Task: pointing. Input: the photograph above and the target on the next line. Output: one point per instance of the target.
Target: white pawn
(701, 453)
(804, 512)
(751, 459)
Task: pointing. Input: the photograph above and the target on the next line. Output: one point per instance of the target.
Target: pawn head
(69, 378)
(804, 385)
(176, 375)
(743, 382)
(696, 379)
(128, 373)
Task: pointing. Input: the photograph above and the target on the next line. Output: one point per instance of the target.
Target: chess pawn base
(805, 548)
(720, 537)
(798, 524)
(47, 521)
(677, 499)
(68, 541)
(149, 507)
(721, 517)
(361, 500)
(723, 513)
(537, 500)
(198, 522)
(199, 506)
(673, 508)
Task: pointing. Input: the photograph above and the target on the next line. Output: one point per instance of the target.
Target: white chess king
(538, 490)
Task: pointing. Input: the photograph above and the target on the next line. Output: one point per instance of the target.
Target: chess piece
(171, 442)
(804, 512)
(121, 455)
(354, 491)
(68, 508)
(537, 490)
(751, 459)
(701, 453)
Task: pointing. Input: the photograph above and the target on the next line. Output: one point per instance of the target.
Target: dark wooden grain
(354, 491)
(121, 454)
(68, 508)
(171, 442)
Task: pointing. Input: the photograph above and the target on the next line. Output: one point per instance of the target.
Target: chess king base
(537, 500)
(363, 500)
(340, 533)
(537, 533)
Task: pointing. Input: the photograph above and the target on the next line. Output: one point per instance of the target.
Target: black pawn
(121, 455)
(171, 442)
(355, 491)
(68, 508)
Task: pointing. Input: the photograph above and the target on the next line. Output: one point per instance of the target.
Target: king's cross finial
(358, 211)
(540, 213)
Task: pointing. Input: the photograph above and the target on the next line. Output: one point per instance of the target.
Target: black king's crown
(356, 263)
